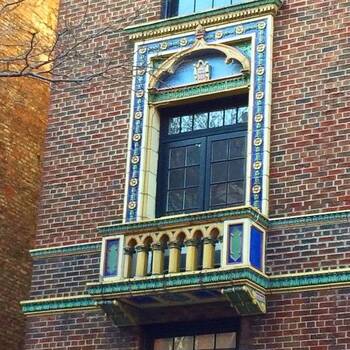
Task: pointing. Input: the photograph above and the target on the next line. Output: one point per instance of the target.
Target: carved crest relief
(202, 71)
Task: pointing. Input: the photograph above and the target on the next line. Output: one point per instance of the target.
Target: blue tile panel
(256, 247)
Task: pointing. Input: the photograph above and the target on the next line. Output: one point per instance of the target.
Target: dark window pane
(177, 157)
(242, 115)
(163, 344)
(183, 343)
(191, 198)
(236, 169)
(193, 154)
(202, 5)
(237, 148)
(174, 126)
(219, 3)
(200, 121)
(176, 178)
(216, 119)
(217, 195)
(186, 123)
(219, 150)
(175, 200)
(192, 176)
(204, 342)
(218, 172)
(230, 116)
(235, 193)
(185, 7)
(226, 341)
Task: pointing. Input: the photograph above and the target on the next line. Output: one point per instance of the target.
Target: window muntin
(206, 172)
(187, 7)
(215, 341)
(205, 120)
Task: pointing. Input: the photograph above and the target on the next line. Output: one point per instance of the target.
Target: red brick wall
(87, 136)
(316, 320)
(22, 127)
(310, 147)
(89, 330)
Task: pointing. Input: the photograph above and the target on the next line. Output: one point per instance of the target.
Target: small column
(174, 257)
(191, 257)
(158, 259)
(208, 253)
(128, 252)
(141, 261)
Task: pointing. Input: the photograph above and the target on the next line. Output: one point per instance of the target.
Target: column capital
(129, 250)
(173, 245)
(208, 240)
(191, 243)
(141, 248)
(156, 246)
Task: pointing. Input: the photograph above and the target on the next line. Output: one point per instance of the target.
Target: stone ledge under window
(169, 222)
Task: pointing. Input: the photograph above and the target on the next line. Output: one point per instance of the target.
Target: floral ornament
(260, 71)
(257, 142)
(138, 115)
(183, 42)
(133, 182)
(259, 95)
(136, 137)
(256, 189)
(260, 48)
(259, 118)
(135, 159)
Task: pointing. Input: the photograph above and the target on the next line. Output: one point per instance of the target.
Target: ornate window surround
(144, 129)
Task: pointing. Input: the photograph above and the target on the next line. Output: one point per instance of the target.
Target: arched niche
(172, 71)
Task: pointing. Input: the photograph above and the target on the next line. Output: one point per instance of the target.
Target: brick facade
(84, 178)
(22, 127)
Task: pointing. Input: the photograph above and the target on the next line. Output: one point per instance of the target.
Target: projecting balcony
(212, 264)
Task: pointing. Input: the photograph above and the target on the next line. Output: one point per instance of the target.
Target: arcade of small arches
(190, 249)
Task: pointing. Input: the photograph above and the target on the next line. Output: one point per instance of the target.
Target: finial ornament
(200, 32)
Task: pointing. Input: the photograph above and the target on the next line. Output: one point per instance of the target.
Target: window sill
(211, 17)
(170, 222)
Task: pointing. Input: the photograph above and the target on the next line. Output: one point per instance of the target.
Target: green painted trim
(185, 280)
(198, 16)
(204, 278)
(65, 250)
(322, 218)
(309, 280)
(277, 283)
(188, 219)
(58, 304)
(199, 89)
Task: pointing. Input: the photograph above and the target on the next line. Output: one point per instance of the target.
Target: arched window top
(207, 61)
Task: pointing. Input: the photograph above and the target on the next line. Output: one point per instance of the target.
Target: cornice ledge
(333, 217)
(54, 305)
(213, 17)
(73, 249)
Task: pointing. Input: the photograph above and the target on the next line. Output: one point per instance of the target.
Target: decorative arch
(170, 65)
